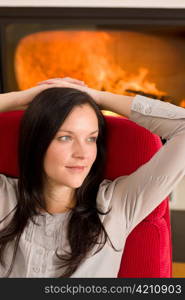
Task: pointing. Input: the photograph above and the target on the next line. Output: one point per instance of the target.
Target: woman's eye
(93, 139)
(64, 138)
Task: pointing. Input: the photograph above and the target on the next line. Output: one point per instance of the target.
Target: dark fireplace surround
(100, 18)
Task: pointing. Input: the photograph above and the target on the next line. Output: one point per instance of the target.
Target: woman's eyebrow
(74, 132)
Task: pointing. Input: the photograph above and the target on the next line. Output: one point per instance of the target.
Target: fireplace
(122, 50)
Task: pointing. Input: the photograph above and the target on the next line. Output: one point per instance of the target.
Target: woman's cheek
(94, 154)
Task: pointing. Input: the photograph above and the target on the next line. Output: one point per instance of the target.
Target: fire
(182, 103)
(134, 82)
(86, 55)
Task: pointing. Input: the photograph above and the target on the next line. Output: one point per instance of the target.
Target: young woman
(59, 219)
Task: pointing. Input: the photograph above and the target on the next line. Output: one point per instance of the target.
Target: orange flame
(86, 55)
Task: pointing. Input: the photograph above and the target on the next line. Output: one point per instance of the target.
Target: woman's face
(73, 150)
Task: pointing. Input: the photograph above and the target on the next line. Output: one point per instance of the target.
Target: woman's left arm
(138, 194)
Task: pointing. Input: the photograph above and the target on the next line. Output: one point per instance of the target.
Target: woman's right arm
(19, 99)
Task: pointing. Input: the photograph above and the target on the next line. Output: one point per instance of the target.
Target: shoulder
(8, 184)
(6, 181)
(8, 194)
(109, 190)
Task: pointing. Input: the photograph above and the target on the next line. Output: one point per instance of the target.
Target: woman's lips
(76, 169)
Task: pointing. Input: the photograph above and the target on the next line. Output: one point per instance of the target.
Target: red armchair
(148, 251)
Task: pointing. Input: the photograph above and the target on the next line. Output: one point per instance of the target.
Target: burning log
(154, 96)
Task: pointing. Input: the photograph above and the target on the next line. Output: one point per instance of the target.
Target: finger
(66, 79)
(74, 80)
(46, 82)
(69, 80)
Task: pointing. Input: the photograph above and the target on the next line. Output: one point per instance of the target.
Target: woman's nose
(79, 150)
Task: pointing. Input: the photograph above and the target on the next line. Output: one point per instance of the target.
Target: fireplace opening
(105, 60)
(148, 61)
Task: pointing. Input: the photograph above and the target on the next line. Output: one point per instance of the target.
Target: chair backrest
(148, 248)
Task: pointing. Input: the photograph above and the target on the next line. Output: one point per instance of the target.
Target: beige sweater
(131, 197)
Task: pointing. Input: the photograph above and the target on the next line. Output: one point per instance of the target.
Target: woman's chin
(74, 185)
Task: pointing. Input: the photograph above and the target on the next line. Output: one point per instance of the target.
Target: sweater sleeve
(139, 193)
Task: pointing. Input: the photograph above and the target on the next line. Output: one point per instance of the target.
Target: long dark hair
(39, 125)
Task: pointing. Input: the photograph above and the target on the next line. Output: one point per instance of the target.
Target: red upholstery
(148, 250)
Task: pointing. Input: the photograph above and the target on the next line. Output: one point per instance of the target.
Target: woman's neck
(59, 199)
